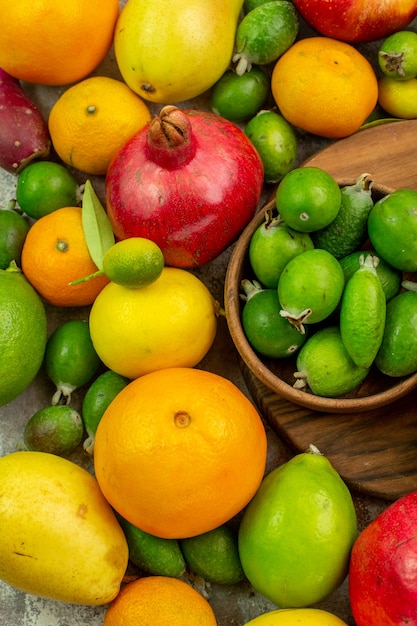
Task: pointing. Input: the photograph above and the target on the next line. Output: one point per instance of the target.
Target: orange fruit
(324, 86)
(92, 120)
(156, 600)
(55, 253)
(179, 452)
(55, 43)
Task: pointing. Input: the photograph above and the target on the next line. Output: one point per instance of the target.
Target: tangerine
(179, 452)
(159, 600)
(55, 43)
(92, 120)
(55, 253)
(324, 86)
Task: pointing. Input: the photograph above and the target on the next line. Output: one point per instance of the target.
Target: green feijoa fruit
(249, 5)
(70, 358)
(397, 355)
(308, 199)
(96, 400)
(264, 34)
(44, 187)
(13, 231)
(276, 143)
(154, 555)
(325, 367)
(389, 276)
(54, 429)
(392, 229)
(267, 331)
(310, 287)
(237, 98)
(349, 229)
(397, 55)
(272, 245)
(214, 556)
(362, 314)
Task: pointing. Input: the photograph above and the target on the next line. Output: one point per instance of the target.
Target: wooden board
(375, 452)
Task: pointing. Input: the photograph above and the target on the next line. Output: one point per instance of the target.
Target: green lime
(54, 429)
(397, 355)
(276, 143)
(308, 199)
(267, 331)
(214, 556)
(297, 532)
(272, 245)
(264, 34)
(134, 262)
(348, 231)
(324, 365)
(362, 313)
(70, 358)
(154, 555)
(392, 229)
(23, 333)
(397, 55)
(237, 98)
(96, 400)
(389, 276)
(44, 186)
(13, 231)
(310, 287)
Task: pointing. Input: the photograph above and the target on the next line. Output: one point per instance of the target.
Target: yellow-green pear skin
(168, 52)
(59, 536)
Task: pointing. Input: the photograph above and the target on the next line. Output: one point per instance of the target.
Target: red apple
(383, 568)
(357, 20)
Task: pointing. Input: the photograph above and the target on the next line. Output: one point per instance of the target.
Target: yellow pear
(59, 536)
(168, 52)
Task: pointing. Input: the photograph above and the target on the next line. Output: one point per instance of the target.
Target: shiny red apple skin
(357, 21)
(383, 568)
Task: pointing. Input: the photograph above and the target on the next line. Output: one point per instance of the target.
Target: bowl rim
(254, 362)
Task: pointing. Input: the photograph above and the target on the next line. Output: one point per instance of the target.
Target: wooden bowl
(277, 374)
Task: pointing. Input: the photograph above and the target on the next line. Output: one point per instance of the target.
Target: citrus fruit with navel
(297, 617)
(55, 253)
(52, 43)
(92, 120)
(296, 534)
(156, 600)
(324, 86)
(60, 537)
(168, 323)
(44, 186)
(195, 440)
(23, 334)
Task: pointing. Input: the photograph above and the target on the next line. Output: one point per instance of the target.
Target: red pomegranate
(383, 568)
(190, 181)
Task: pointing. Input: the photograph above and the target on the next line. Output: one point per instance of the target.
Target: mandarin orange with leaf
(324, 86)
(55, 253)
(55, 43)
(179, 452)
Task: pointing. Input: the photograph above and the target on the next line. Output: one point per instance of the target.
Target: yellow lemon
(297, 617)
(170, 323)
(169, 52)
(398, 97)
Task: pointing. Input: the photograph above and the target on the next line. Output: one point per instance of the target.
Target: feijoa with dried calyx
(55, 429)
(325, 367)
